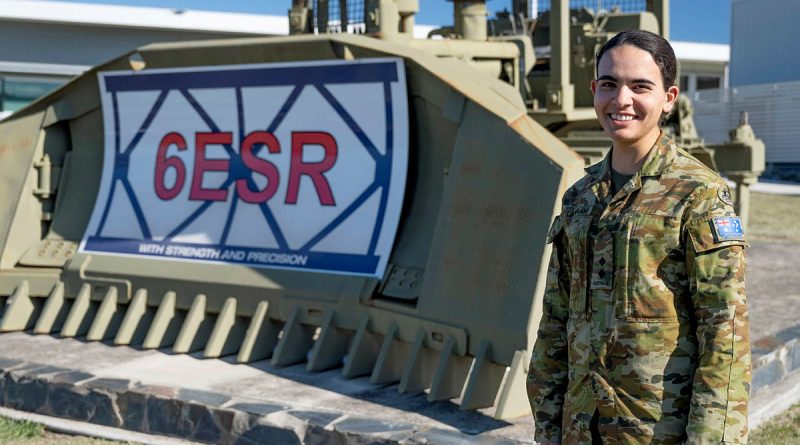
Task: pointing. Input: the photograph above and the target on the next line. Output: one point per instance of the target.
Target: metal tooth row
(445, 375)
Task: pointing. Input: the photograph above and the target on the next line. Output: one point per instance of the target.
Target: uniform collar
(658, 158)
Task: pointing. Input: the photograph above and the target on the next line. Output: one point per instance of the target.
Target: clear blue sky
(691, 20)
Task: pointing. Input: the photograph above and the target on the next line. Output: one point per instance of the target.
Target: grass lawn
(14, 432)
(782, 430)
(774, 218)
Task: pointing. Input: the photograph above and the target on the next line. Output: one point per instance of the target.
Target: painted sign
(299, 165)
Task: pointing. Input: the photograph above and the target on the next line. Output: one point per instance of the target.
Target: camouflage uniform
(645, 316)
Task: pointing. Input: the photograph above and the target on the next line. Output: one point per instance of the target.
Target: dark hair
(657, 46)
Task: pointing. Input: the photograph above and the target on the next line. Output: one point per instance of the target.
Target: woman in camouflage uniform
(644, 335)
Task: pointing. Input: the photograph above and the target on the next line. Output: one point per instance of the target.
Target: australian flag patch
(728, 228)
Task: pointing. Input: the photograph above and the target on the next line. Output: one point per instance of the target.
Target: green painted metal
(457, 310)
(483, 186)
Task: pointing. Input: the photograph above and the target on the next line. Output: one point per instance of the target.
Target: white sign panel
(299, 165)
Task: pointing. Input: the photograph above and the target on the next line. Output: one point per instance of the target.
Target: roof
(703, 52)
(141, 17)
(43, 11)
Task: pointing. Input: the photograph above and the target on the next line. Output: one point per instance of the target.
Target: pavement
(773, 291)
(219, 401)
(772, 187)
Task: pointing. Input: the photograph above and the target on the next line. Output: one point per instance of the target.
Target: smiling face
(629, 97)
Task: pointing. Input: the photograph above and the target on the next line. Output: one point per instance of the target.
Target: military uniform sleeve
(715, 266)
(547, 375)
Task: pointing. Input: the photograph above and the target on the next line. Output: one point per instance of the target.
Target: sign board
(295, 165)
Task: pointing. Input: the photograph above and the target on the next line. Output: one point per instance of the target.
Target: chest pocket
(654, 280)
(576, 229)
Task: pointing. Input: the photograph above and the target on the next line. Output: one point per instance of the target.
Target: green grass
(15, 432)
(782, 430)
(18, 430)
(774, 218)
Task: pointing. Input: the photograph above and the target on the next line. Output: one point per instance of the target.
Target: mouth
(622, 117)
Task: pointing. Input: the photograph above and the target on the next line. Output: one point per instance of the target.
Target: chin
(624, 136)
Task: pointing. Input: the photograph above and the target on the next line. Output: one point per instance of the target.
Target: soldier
(644, 336)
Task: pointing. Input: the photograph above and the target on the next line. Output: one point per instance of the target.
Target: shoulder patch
(714, 232)
(725, 196)
(728, 227)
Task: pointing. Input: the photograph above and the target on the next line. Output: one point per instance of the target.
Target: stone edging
(773, 367)
(201, 416)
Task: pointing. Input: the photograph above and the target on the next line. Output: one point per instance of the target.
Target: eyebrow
(614, 79)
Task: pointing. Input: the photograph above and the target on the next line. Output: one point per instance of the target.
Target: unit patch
(728, 228)
(725, 196)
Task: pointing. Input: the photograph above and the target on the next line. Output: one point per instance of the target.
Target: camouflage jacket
(645, 316)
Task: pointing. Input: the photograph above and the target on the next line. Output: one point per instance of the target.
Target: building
(46, 43)
(763, 40)
(764, 81)
(703, 66)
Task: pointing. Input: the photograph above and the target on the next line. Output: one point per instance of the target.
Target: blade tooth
(363, 351)
(166, 323)
(393, 356)
(135, 317)
(331, 346)
(450, 374)
(295, 342)
(196, 327)
(80, 314)
(228, 332)
(54, 313)
(18, 309)
(108, 317)
(261, 336)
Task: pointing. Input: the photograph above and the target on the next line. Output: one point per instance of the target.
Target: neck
(627, 158)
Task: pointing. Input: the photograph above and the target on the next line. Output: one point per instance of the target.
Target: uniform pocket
(656, 279)
(576, 229)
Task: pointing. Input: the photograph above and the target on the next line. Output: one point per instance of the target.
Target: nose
(623, 97)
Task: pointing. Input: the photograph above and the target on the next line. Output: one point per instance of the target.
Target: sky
(691, 20)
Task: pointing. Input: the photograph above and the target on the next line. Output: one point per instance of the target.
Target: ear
(672, 96)
(594, 86)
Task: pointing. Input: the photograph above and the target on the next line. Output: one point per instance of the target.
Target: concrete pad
(773, 400)
(771, 187)
(219, 401)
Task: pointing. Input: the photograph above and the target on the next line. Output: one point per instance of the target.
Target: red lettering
(259, 165)
(163, 163)
(314, 170)
(203, 164)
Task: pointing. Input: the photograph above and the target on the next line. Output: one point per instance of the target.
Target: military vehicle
(394, 226)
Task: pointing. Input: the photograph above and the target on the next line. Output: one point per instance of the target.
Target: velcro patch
(728, 228)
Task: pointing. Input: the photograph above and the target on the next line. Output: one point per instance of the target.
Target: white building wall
(774, 114)
(764, 42)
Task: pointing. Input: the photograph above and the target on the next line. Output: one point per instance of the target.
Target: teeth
(621, 117)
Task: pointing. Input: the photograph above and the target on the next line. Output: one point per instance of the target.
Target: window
(684, 84)
(16, 92)
(707, 83)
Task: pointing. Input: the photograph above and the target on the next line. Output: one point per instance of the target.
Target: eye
(641, 87)
(607, 84)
